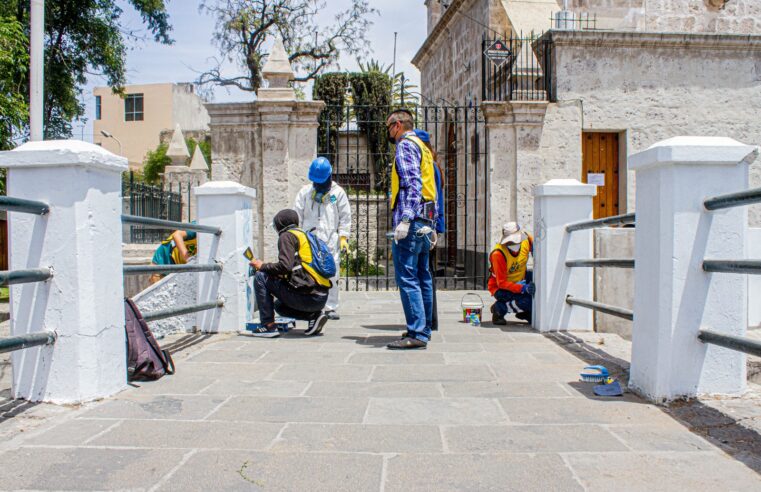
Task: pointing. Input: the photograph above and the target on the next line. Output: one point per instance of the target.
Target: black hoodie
(288, 247)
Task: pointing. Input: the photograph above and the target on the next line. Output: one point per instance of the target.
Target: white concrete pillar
(227, 205)
(558, 203)
(673, 297)
(80, 239)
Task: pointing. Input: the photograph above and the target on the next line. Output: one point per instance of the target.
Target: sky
(150, 62)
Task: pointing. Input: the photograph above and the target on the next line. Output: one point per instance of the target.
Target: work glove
(401, 231)
(529, 288)
(434, 239)
(344, 244)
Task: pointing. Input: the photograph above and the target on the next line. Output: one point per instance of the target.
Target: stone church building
(587, 86)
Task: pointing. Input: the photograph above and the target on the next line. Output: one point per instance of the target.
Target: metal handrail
(169, 224)
(607, 221)
(11, 277)
(166, 269)
(752, 267)
(602, 263)
(603, 308)
(733, 342)
(26, 206)
(747, 197)
(10, 344)
(178, 311)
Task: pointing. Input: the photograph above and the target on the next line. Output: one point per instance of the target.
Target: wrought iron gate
(354, 139)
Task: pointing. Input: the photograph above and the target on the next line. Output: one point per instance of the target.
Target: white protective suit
(330, 220)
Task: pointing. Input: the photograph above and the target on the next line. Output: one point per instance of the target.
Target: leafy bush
(355, 263)
(156, 160)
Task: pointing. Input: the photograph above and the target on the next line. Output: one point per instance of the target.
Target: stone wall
(706, 16)
(614, 286)
(371, 221)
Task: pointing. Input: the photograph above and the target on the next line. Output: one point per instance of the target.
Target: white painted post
(80, 239)
(227, 205)
(556, 204)
(674, 297)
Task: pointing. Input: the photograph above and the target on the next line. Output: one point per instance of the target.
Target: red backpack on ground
(145, 359)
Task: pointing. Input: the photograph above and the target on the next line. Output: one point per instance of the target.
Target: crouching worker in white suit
(324, 208)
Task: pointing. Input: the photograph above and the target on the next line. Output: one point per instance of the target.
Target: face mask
(514, 248)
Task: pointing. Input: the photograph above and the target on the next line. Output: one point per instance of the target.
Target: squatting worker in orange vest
(510, 282)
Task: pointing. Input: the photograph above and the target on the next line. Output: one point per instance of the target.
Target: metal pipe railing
(11, 277)
(602, 263)
(597, 223)
(10, 344)
(752, 267)
(178, 311)
(733, 342)
(602, 308)
(167, 269)
(747, 197)
(26, 206)
(169, 224)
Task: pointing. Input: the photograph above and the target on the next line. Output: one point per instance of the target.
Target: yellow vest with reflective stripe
(305, 257)
(190, 244)
(515, 265)
(427, 173)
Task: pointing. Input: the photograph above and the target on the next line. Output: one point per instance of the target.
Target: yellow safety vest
(427, 173)
(305, 256)
(516, 265)
(190, 244)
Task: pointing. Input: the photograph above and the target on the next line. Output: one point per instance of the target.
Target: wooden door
(600, 166)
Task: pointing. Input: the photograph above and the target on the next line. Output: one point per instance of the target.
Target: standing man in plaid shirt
(413, 204)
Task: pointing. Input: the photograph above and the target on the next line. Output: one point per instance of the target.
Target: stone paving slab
(483, 408)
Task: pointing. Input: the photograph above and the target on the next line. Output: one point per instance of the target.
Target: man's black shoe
(332, 315)
(263, 331)
(496, 318)
(316, 324)
(525, 316)
(407, 343)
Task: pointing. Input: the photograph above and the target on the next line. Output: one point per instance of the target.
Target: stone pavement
(488, 408)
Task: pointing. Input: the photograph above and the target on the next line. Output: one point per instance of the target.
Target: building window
(97, 107)
(133, 107)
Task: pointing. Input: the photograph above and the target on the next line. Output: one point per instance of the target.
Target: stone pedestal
(674, 298)
(80, 239)
(558, 203)
(229, 206)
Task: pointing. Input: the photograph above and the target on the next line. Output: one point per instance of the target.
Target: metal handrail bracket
(169, 224)
(601, 263)
(603, 308)
(747, 197)
(733, 342)
(11, 277)
(752, 267)
(167, 269)
(10, 344)
(605, 222)
(25, 206)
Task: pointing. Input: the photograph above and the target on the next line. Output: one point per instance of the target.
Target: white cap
(511, 233)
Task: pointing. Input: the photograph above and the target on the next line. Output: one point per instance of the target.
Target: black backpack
(145, 359)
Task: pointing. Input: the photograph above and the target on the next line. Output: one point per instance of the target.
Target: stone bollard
(674, 297)
(80, 239)
(556, 204)
(227, 205)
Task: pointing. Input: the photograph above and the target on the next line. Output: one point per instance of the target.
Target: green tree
(82, 38)
(243, 27)
(156, 160)
(14, 62)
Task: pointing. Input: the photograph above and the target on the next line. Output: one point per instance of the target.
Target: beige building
(137, 120)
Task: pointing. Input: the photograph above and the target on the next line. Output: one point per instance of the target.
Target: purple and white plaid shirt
(409, 203)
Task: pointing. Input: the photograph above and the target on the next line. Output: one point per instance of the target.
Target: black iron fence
(354, 139)
(516, 68)
(144, 200)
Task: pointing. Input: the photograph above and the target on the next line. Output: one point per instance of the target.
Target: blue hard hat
(320, 170)
(423, 135)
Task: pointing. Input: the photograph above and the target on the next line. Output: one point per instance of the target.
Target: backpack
(145, 359)
(322, 259)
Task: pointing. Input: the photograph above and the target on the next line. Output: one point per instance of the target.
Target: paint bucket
(471, 303)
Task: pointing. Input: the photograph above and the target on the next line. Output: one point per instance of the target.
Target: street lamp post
(110, 135)
(36, 68)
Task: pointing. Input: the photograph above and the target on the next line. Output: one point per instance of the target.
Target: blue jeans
(414, 281)
(508, 302)
(275, 294)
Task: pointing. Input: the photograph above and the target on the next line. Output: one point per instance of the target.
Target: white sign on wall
(597, 179)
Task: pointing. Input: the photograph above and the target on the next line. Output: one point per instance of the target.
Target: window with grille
(97, 107)
(133, 107)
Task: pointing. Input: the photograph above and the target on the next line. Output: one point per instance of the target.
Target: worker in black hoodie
(286, 286)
